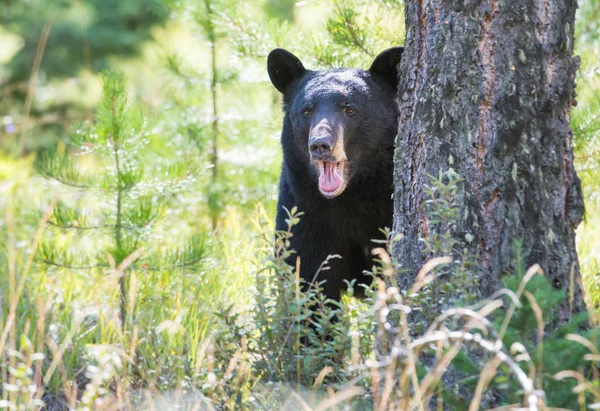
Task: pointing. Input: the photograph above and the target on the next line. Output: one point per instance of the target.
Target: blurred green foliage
(59, 41)
(84, 34)
(585, 121)
(281, 9)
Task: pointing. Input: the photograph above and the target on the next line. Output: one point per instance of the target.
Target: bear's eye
(349, 110)
(306, 112)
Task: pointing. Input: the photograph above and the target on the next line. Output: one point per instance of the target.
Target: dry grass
(107, 380)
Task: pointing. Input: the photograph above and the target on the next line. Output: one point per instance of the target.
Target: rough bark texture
(486, 89)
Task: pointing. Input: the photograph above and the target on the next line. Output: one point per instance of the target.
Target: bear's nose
(320, 146)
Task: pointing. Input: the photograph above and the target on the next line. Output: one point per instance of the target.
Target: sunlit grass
(588, 248)
(64, 324)
(174, 311)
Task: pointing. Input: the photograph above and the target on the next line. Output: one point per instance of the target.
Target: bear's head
(341, 119)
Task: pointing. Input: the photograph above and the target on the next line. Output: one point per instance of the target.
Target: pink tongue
(330, 180)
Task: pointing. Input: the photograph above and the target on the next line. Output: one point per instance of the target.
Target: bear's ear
(386, 63)
(283, 68)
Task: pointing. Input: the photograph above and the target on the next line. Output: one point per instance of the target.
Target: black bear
(338, 145)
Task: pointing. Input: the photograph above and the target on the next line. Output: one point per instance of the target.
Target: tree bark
(486, 89)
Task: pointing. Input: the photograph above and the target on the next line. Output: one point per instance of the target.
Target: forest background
(133, 271)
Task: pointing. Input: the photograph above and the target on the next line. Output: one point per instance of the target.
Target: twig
(24, 274)
(39, 54)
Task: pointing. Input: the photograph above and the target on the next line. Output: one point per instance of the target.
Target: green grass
(229, 336)
(71, 314)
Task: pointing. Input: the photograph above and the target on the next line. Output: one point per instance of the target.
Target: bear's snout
(320, 147)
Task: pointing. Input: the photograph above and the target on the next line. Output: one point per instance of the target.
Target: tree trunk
(486, 89)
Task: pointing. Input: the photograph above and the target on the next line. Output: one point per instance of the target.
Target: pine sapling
(116, 191)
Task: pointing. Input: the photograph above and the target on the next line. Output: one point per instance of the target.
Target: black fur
(346, 224)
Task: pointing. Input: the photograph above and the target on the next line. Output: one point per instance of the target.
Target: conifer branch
(73, 267)
(78, 227)
(349, 25)
(241, 27)
(165, 267)
(67, 182)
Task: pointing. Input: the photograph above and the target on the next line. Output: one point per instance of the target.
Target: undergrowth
(285, 350)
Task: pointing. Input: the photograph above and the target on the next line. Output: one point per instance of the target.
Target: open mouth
(332, 177)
